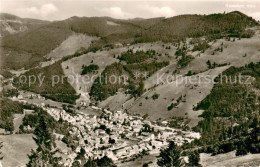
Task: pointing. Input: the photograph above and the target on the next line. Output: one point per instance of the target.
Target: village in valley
(116, 134)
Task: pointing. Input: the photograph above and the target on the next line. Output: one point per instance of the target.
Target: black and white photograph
(129, 83)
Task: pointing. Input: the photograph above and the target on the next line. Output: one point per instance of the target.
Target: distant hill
(32, 45)
(41, 41)
(11, 24)
(111, 30)
(27, 49)
(213, 25)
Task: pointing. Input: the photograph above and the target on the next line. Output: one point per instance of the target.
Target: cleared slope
(73, 68)
(194, 93)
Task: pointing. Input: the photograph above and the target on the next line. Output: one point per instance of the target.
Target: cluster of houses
(118, 135)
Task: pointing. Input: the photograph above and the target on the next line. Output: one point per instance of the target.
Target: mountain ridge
(42, 40)
(12, 24)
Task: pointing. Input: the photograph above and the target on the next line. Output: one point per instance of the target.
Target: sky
(124, 9)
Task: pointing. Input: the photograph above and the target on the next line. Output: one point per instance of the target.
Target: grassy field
(115, 102)
(229, 159)
(15, 149)
(233, 52)
(206, 160)
(18, 119)
(170, 92)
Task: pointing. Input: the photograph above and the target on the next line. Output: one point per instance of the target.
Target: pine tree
(254, 137)
(241, 150)
(91, 163)
(1, 156)
(43, 155)
(105, 161)
(76, 164)
(209, 64)
(214, 64)
(170, 156)
(194, 158)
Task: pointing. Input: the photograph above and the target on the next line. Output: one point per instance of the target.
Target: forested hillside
(27, 49)
(231, 115)
(211, 26)
(7, 109)
(53, 84)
